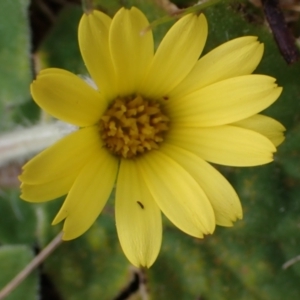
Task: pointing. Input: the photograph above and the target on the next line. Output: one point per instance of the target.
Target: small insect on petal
(140, 204)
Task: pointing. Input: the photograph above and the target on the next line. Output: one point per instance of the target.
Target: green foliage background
(243, 262)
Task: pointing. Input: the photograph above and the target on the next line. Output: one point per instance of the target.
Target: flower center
(132, 126)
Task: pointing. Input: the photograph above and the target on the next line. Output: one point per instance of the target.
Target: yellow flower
(150, 127)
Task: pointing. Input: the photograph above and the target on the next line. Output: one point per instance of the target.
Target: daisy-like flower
(150, 127)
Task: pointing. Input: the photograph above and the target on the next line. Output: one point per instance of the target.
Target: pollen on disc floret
(132, 126)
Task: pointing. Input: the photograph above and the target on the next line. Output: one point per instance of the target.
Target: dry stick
(291, 262)
(282, 35)
(31, 266)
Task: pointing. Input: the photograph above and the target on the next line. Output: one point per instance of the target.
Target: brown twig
(283, 37)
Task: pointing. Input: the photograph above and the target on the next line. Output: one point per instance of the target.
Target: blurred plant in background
(243, 262)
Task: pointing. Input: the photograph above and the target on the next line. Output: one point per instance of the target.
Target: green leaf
(290, 153)
(18, 219)
(92, 266)
(60, 49)
(15, 74)
(12, 260)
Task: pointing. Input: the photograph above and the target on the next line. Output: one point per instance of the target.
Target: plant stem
(87, 6)
(291, 262)
(182, 12)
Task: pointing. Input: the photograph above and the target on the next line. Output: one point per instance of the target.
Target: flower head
(151, 126)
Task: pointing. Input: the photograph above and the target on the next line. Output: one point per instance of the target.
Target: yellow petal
(138, 217)
(66, 156)
(177, 194)
(67, 97)
(235, 58)
(225, 102)
(88, 195)
(264, 125)
(224, 145)
(49, 190)
(176, 56)
(93, 34)
(131, 51)
(222, 196)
